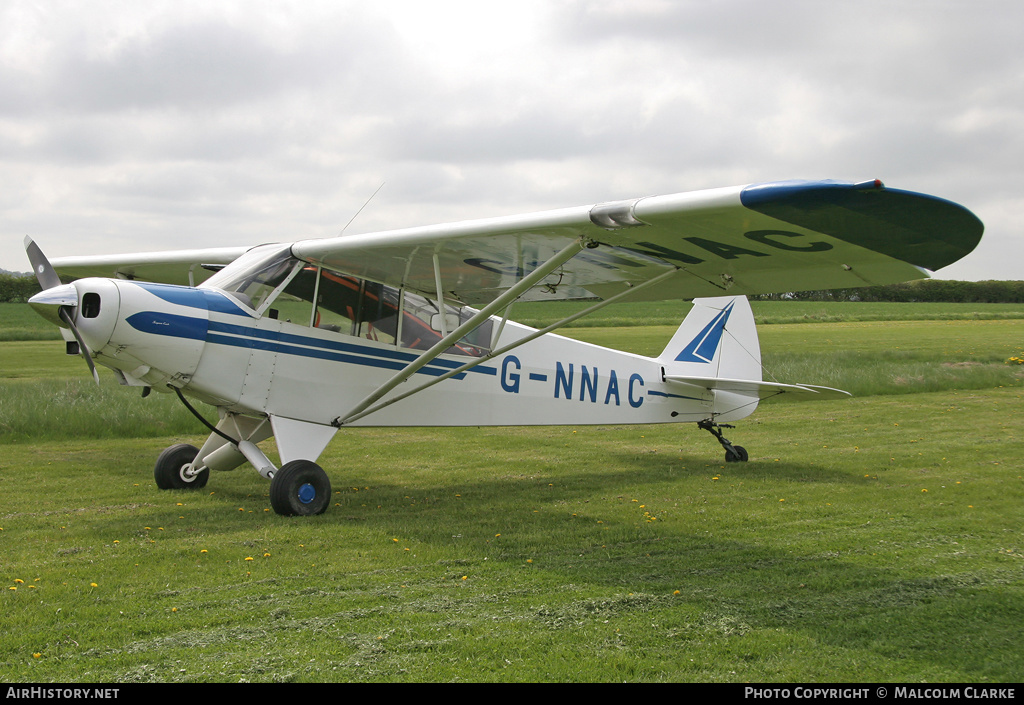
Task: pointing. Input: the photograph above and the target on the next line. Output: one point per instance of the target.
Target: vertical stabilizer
(717, 340)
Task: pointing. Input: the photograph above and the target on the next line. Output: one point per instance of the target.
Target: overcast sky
(143, 125)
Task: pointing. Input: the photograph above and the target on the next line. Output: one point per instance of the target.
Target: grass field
(874, 539)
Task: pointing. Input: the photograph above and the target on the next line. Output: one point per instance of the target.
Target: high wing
(762, 238)
(184, 267)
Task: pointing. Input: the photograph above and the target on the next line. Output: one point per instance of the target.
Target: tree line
(16, 288)
(920, 291)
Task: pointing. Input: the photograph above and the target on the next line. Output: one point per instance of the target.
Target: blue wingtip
(922, 230)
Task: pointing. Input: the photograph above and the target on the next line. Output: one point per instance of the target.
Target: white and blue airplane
(412, 327)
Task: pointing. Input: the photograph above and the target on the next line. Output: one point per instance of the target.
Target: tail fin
(717, 341)
(717, 338)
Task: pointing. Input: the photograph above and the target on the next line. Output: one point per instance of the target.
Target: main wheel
(172, 471)
(740, 456)
(300, 488)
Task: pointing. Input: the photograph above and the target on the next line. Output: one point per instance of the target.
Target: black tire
(740, 456)
(300, 488)
(169, 472)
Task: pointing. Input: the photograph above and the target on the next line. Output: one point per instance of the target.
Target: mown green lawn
(874, 539)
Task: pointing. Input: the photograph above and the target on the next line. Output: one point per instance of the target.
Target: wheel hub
(307, 493)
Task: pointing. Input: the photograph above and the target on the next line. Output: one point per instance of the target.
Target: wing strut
(513, 293)
(355, 416)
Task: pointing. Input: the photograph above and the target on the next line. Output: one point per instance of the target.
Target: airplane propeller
(56, 299)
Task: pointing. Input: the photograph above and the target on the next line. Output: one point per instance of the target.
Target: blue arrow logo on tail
(704, 346)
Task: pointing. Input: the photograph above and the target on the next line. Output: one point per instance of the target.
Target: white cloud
(156, 125)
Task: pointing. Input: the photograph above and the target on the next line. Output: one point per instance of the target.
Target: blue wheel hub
(307, 493)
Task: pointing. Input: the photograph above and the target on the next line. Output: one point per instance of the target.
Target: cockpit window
(268, 279)
(422, 327)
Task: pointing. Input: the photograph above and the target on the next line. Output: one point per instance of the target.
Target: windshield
(254, 276)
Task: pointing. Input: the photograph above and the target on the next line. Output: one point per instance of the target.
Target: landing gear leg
(733, 454)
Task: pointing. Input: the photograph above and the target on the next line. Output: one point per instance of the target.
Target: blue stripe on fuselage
(222, 333)
(169, 324)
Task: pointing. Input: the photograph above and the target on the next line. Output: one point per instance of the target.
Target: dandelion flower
(93, 585)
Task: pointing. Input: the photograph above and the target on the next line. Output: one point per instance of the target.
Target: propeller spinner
(56, 301)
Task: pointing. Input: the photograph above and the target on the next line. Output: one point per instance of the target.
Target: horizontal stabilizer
(755, 388)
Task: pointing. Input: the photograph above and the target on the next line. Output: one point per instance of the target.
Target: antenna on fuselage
(361, 208)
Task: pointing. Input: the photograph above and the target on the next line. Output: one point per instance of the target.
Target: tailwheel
(738, 454)
(733, 454)
(300, 488)
(174, 469)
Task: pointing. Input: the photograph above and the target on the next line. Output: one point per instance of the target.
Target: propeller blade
(44, 272)
(81, 344)
(48, 279)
